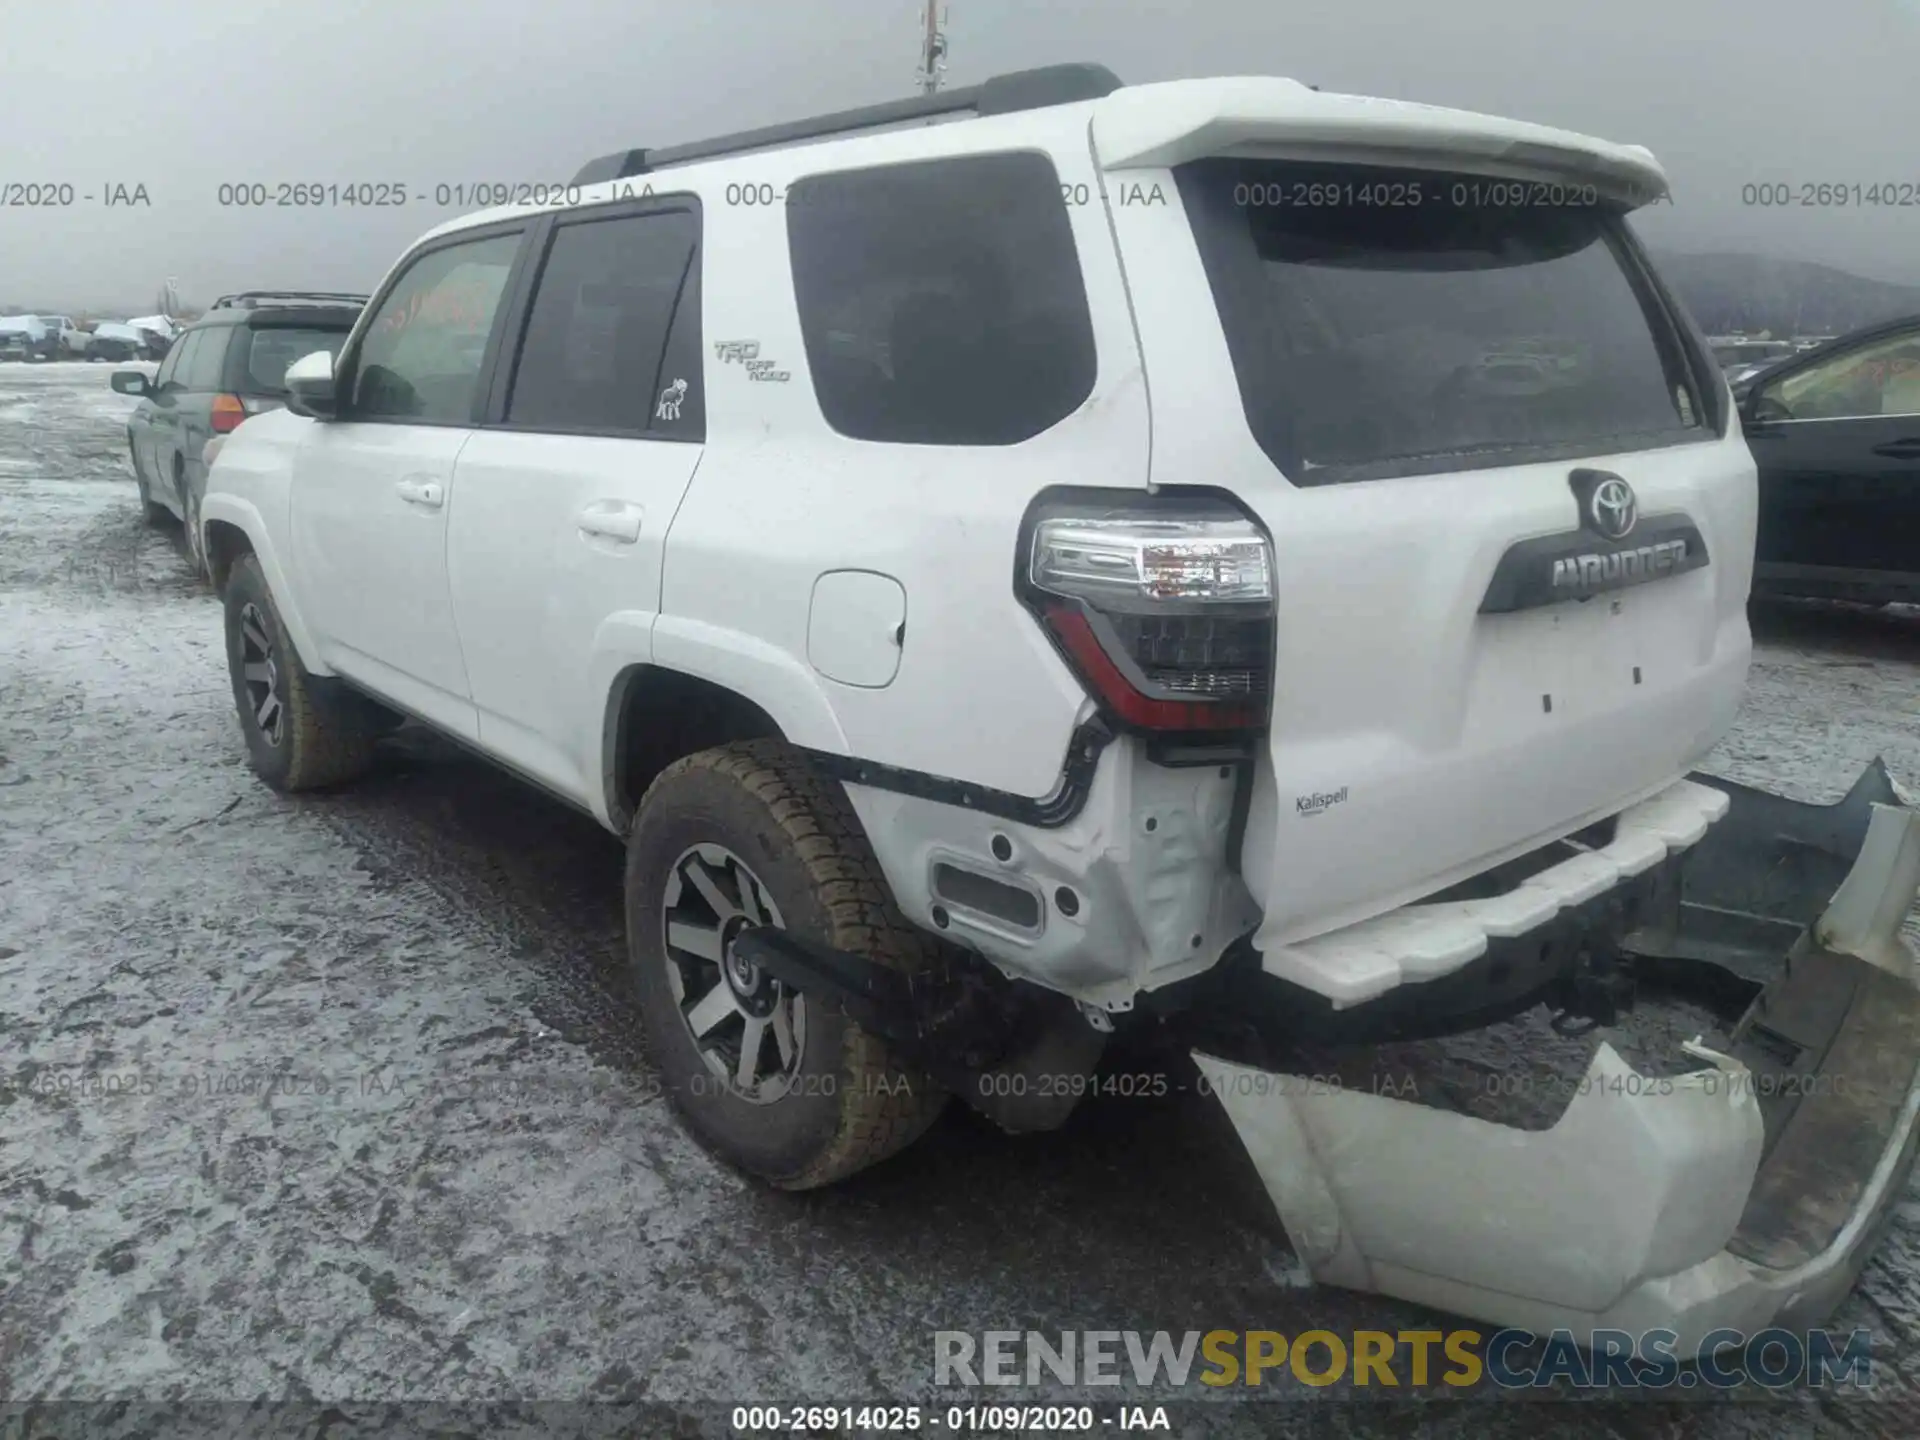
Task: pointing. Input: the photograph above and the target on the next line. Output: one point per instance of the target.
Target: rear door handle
(617, 520)
(427, 494)
(1899, 449)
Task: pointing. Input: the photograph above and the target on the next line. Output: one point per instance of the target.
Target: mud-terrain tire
(839, 1102)
(151, 510)
(315, 735)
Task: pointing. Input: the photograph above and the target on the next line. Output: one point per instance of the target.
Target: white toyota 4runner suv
(1207, 554)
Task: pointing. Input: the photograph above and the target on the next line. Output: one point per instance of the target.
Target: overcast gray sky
(183, 95)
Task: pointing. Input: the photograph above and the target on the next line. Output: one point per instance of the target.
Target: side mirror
(131, 382)
(309, 385)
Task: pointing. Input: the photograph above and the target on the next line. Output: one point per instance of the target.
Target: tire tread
(817, 820)
(327, 743)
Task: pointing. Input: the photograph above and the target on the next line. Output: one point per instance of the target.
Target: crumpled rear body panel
(1744, 1193)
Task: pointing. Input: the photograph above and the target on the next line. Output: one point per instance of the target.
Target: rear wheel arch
(654, 716)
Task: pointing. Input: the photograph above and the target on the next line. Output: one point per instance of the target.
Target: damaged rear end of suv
(1209, 563)
(1398, 666)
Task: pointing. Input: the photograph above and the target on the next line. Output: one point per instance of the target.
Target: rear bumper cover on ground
(1742, 1194)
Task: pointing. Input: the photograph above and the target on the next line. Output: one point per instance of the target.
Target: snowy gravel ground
(465, 1184)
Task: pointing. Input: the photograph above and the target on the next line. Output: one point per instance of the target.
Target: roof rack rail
(1001, 95)
(250, 299)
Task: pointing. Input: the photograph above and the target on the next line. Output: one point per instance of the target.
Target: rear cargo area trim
(1425, 941)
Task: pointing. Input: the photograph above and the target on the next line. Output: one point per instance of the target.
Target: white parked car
(1086, 566)
(69, 340)
(159, 333)
(26, 338)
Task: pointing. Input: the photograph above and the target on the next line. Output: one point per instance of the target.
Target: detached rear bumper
(1740, 1195)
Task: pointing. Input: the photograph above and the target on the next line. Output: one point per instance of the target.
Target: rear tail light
(228, 412)
(1164, 607)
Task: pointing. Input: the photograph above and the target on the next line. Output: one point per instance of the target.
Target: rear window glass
(941, 302)
(271, 351)
(1391, 323)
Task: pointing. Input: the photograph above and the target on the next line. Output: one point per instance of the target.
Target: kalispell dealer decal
(1319, 802)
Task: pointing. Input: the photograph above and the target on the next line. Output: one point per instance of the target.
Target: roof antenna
(933, 49)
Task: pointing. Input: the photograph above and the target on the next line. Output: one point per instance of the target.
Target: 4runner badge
(1318, 803)
(670, 399)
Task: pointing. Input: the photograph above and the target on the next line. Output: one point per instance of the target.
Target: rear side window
(170, 367)
(184, 356)
(271, 349)
(201, 371)
(1401, 322)
(941, 302)
(613, 338)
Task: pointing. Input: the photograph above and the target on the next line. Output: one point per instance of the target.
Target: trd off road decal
(747, 353)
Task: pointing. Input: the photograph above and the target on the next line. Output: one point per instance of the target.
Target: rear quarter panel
(780, 499)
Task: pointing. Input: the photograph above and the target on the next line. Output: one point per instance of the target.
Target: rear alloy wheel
(782, 1085)
(746, 1026)
(302, 733)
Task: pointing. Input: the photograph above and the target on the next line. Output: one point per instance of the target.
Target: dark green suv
(229, 364)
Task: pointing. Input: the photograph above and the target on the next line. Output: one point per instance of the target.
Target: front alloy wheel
(260, 674)
(747, 1027)
(301, 733)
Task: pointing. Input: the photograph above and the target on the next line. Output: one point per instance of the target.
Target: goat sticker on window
(670, 399)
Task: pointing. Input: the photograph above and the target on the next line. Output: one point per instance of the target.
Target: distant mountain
(1750, 293)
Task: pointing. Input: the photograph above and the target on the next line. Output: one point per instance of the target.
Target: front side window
(1399, 322)
(1881, 378)
(422, 354)
(613, 337)
(941, 302)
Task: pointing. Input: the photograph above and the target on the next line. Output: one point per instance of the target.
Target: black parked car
(1836, 435)
(229, 364)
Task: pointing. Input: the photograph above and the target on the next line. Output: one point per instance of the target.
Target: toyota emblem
(1612, 509)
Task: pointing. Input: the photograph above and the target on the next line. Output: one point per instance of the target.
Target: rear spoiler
(1157, 126)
